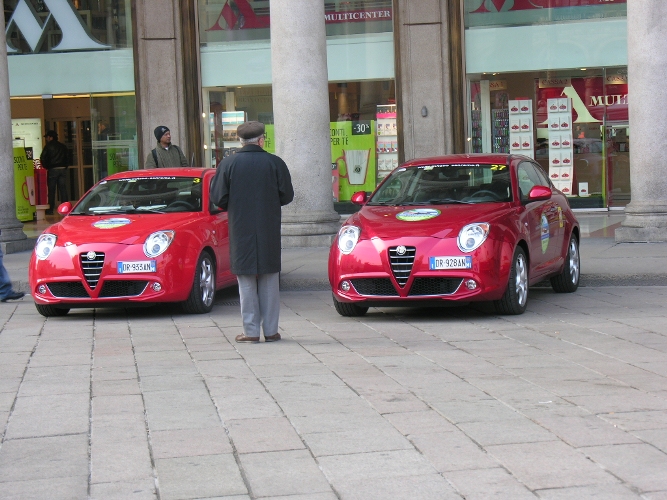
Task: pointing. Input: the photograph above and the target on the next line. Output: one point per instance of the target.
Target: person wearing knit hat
(251, 186)
(166, 154)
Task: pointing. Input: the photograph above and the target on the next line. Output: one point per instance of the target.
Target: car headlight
(44, 245)
(347, 238)
(158, 242)
(472, 236)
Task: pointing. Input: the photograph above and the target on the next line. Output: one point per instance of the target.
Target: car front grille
(68, 290)
(123, 288)
(374, 287)
(92, 268)
(401, 265)
(434, 286)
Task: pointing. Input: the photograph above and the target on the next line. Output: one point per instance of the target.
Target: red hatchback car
(143, 236)
(458, 228)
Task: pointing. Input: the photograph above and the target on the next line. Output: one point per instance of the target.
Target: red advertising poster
(239, 14)
(515, 5)
(591, 97)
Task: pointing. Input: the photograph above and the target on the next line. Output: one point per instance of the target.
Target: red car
(142, 236)
(458, 228)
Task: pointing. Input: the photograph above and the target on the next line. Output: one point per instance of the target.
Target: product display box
(561, 154)
(521, 127)
(387, 140)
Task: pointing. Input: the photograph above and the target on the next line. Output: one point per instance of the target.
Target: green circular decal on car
(112, 223)
(418, 214)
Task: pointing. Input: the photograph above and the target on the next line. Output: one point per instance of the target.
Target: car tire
(202, 294)
(568, 280)
(49, 311)
(349, 310)
(515, 298)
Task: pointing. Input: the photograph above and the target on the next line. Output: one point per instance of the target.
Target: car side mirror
(64, 208)
(359, 198)
(539, 193)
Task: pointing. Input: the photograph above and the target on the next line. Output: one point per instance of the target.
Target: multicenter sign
(75, 35)
(239, 14)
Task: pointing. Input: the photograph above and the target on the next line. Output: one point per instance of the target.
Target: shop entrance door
(75, 134)
(618, 165)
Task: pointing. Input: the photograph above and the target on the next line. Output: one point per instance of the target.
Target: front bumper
(68, 277)
(372, 279)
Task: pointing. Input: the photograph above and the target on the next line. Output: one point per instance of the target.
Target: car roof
(490, 158)
(161, 172)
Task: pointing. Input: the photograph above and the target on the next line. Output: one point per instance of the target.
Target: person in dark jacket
(252, 185)
(55, 159)
(165, 154)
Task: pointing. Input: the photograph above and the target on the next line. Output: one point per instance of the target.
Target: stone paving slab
(566, 401)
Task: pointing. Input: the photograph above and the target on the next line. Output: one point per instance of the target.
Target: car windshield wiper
(447, 201)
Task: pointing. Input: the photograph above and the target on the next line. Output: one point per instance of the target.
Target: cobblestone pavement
(568, 400)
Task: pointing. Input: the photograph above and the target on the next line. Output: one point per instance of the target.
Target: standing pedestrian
(165, 154)
(6, 290)
(252, 185)
(55, 159)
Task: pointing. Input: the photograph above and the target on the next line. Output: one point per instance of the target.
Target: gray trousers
(260, 303)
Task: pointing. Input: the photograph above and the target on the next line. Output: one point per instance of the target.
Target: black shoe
(13, 296)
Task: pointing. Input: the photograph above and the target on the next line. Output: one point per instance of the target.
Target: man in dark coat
(55, 159)
(252, 185)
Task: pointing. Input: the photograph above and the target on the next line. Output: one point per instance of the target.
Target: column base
(316, 229)
(307, 241)
(640, 234)
(643, 224)
(18, 245)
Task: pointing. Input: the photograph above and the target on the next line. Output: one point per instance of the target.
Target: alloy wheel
(521, 280)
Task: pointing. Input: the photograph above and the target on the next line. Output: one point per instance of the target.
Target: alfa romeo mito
(139, 237)
(455, 229)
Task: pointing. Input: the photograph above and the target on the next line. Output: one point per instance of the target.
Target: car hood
(123, 229)
(423, 221)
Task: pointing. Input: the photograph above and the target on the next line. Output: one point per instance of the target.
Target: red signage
(238, 14)
(600, 98)
(514, 5)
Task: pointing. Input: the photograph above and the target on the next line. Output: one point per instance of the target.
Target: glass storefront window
(114, 133)
(236, 81)
(548, 79)
(364, 137)
(578, 129)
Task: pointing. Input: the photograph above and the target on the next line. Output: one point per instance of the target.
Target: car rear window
(445, 183)
(158, 194)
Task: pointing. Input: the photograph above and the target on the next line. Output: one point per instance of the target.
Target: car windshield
(150, 195)
(445, 184)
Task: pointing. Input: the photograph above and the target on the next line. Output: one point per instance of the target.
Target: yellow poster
(24, 184)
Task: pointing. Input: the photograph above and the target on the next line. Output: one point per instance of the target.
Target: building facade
(545, 78)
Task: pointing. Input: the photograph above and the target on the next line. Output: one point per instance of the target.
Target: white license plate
(460, 262)
(137, 266)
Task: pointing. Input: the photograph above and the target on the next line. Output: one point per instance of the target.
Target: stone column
(423, 77)
(12, 237)
(301, 116)
(646, 214)
(166, 81)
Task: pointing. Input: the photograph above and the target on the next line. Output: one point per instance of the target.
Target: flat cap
(250, 130)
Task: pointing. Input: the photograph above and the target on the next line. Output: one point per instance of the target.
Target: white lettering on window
(75, 35)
